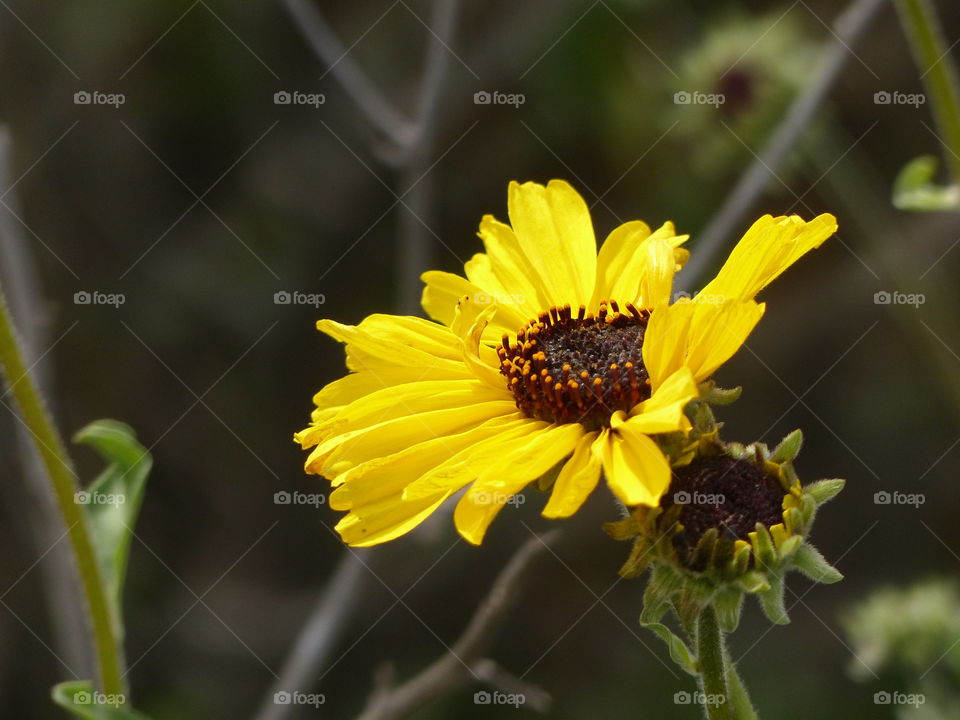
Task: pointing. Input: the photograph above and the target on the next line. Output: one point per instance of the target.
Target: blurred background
(191, 190)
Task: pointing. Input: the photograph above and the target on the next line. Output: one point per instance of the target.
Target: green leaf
(112, 502)
(754, 582)
(722, 396)
(82, 701)
(788, 448)
(914, 188)
(679, 652)
(728, 604)
(771, 601)
(824, 490)
(811, 563)
(664, 582)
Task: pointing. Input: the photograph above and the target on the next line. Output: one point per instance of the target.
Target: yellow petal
(442, 291)
(470, 322)
(554, 229)
(636, 469)
(614, 256)
(509, 474)
(389, 475)
(388, 341)
(639, 266)
(716, 332)
(345, 390)
(769, 247)
(385, 520)
(338, 454)
(578, 477)
(398, 401)
(505, 269)
(665, 341)
(468, 464)
(663, 411)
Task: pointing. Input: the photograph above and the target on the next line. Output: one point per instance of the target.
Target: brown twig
(465, 662)
(848, 28)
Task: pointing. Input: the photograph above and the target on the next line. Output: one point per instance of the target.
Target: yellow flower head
(547, 354)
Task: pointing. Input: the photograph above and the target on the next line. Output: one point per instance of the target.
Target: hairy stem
(62, 482)
(713, 666)
(939, 75)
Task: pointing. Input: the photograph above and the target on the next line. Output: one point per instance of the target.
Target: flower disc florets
(564, 368)
(725, 494)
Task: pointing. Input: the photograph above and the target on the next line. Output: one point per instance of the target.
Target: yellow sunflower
(547, 355)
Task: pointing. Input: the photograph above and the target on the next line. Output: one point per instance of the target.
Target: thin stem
(374, 106)
(847, 29)
(317, 640)
(457, 667)
(61, 585)
(713, 666)
(922, 27)
(61, 476)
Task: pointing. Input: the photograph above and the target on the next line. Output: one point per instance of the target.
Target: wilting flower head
(548, 354)
(735, 521)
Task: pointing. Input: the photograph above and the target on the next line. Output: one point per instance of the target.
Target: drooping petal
(636, 469)
(509, 474)
(578, 477)
(468, 464)
(770, 246)
(663, 411)
(554, 229)
(385, 520)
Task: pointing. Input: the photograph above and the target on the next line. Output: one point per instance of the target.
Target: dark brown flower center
(724, 493)
(566, 369)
